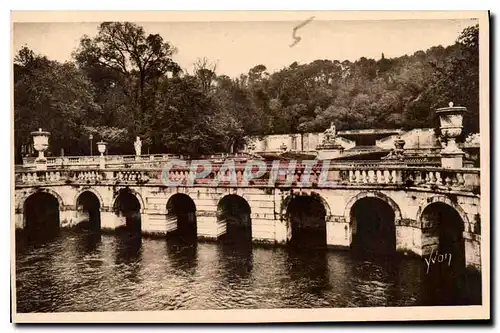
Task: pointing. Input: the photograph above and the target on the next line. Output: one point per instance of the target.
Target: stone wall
(420, 138)
(268, 212)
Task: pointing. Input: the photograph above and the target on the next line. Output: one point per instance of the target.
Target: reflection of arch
(375, 194)
(20, 205)
(131, 191)
(288, 199)
(93, 191)
(445, 200)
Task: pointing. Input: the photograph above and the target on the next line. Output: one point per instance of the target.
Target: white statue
(138, 145)
(330, 134)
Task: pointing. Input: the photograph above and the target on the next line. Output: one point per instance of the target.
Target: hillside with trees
(124, 83)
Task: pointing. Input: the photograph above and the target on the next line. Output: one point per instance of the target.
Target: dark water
(76, 271)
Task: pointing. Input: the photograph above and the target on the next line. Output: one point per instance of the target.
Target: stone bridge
(412, 210)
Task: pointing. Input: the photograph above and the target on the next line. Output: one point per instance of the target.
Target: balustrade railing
(115, 161)
(302, 175)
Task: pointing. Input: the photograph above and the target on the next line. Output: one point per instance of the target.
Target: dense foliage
(124, 83)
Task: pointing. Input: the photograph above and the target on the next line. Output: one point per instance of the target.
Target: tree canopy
(124, 83)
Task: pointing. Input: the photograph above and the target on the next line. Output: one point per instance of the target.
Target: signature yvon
(437, 257)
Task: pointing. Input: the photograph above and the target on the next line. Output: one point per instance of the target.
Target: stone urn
(41, 144)
(101, 147)
(451, 124)
(399, 144)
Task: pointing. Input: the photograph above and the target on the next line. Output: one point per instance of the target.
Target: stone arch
(132, 191)
(41, 212)
(444, 226)
(88, 208)
(236, 213)
(172, 198)
(372, 194)
(445, 200)
(20, 204)
(181, 216)
(306, 226)
(286, 202)
(97, 194)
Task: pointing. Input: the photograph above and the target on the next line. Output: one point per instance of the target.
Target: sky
(238, 46)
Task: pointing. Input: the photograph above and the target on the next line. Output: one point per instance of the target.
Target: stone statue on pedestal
(137, 146)
(330, 134)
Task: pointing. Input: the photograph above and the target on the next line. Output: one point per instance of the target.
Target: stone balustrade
(115, 161)
(303, 175)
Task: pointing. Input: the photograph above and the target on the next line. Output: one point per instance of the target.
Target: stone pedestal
(102, 163)
(41, 163)
(329, 153)
(452, 160)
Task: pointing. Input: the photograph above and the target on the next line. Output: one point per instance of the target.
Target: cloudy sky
(238, 45)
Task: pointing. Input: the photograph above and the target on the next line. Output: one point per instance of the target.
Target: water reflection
(88, 243)
(236, 259)
(310, 272)
(182, 254)
(92, 272)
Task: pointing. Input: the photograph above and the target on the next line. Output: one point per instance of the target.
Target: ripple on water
(113, 274)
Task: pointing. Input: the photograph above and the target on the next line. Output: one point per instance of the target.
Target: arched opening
(444, 263)
(307, 217)
(181, 210)
(373, 228)
(88, 206)
(41, 211)
(235, 212)
(128, 207)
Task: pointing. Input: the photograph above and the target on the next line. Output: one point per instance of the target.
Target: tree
(204, 71)
(458, 79)
(53, 96)
(187, 121)
(140, 60)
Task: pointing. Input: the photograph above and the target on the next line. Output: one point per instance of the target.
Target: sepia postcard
(241, 167)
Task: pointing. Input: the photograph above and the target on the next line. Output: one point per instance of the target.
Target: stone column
(282, 231)
(338, 233)
(158, 222)
(19, 220)
(208, 227)
(472, 250)
(111, 221)
(408, 237)
(67, 216)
